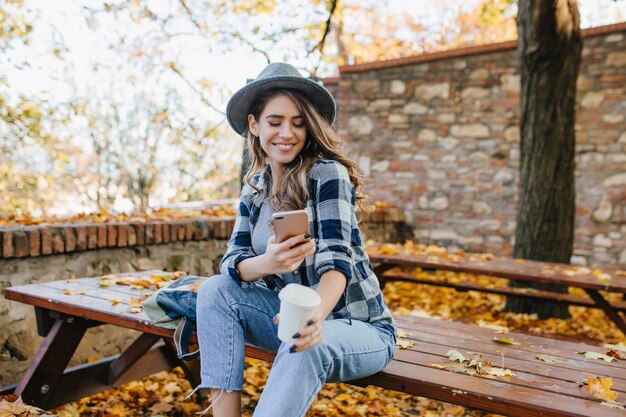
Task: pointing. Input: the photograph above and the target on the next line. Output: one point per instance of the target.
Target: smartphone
(290, 223)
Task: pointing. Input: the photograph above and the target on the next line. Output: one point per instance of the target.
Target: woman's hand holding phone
(285, 257)
(285, 251)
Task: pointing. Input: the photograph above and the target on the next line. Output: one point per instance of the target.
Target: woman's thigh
(221, 298)
(355, 350)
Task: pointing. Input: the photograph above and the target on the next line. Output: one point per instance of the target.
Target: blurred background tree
(27, 125)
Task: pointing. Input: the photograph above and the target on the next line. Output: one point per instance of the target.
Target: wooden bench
(389, 267)
(66, 309)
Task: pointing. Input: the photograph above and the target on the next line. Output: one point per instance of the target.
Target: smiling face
(281, 130)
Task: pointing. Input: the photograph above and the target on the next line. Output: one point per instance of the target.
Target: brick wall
(34, 241)
(438, 135)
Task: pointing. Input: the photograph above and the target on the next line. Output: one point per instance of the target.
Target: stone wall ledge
(55, 239)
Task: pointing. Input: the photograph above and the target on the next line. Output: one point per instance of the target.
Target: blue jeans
(229, 315)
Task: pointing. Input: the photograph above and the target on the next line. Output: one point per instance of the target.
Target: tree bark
(549, 47)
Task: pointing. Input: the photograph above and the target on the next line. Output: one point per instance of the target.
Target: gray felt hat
(277, 75)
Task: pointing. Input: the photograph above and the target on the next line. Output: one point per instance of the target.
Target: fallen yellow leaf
(12, 408)
(387, 250)
(505, 340)
(404, 343)
(619, 346)
(600, 388)
(501, 372)
(67, 291)
(548, 358)
(171, 387)
(118, 410)
(497, 328)
(456, 356)
(161, 407)
(604, 278)
(614, 404)
(196, 285)
(598, 356)
(403, 333)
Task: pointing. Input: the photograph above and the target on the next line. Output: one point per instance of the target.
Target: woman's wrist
(251, 269)
(331, 287)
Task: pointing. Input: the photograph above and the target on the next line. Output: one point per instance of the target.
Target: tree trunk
(549, 46)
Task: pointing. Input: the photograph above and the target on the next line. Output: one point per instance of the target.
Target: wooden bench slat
(495, 395)
(521, 378)
(556, 380)
(571, 299)
(509, 268)
(98, 310)
(93, 284)
(566, 348)
(534, 366)
(107, 294)
(474, 338)
(89, 300)
(491, 395)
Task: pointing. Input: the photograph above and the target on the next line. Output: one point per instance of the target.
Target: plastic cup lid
(300, 295)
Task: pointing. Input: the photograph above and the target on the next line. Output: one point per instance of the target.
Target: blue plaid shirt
(333, 224)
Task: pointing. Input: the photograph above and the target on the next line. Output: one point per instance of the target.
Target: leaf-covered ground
(164, 393)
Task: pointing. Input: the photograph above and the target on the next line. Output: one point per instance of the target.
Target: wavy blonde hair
(322, 142)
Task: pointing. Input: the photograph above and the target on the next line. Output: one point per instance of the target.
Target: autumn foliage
(104, 216)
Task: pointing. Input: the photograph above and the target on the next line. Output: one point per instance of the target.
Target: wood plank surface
(489, 395)
(434, 338)
(477, 338)
(86, 306)
(570, 299)
(492, 395)
(541, 272)
(530, 370)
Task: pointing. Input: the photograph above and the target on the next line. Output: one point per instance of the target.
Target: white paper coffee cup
(297, 305)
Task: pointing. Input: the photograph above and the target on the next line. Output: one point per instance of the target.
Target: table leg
(608, 309)
(190, 368)
(130, 356)
(46, 369)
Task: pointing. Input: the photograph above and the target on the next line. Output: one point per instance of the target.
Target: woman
(296, 163)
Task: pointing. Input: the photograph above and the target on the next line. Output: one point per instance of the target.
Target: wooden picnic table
(593, 281)
(66, 309)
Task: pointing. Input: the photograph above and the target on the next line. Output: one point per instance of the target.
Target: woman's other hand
(308, 336)
(287, 256)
